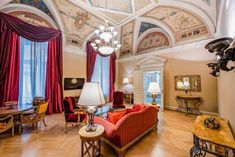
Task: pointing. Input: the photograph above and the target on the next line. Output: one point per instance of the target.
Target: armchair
(74, 117)
(118, 100)
(38, 114)
(6, 123)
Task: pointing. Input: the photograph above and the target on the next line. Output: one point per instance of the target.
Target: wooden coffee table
(91, 141)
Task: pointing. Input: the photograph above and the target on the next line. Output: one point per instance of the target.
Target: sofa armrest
(110, 129)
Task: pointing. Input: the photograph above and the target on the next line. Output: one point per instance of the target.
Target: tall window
(101, 74)
(33, 59)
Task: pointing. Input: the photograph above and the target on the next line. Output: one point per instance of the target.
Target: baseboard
(204, 112)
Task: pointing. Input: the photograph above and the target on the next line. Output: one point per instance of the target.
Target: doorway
(151, 76)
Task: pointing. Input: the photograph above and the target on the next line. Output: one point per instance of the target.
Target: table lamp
(186, 86)
(125, 82)
(154, 89)
(91, 97)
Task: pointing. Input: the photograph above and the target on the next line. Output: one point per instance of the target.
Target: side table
(91, 141)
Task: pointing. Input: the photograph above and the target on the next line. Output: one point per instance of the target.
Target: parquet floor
(172, 139)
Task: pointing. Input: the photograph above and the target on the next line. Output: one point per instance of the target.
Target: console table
(184, 103)
(218, 142)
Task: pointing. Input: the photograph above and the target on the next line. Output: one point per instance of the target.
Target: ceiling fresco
(207, 2)
(117, 5)
(183, 24)
(118, 10)
(143, 24)
(78, 23)
(115, 16)
(139, 4)
(152, 41)
(127, 39)
(31, 18)
(39, 4)
(146, 26)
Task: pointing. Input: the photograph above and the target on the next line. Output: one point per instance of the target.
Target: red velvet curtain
(9, 66)
(112, 75)
(54, 73)
(91, 57)
(8, 58)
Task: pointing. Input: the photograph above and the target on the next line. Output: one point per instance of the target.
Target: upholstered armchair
(74, 102)
(118, 100)
(37, 115)
(6, 123)
(72, 116)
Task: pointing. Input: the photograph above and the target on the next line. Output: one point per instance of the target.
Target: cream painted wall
(226, 80)
(74, 66)
(175, 66)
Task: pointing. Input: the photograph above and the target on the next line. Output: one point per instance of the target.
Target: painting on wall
(146, 26)
(127, 39)
(39, 4)
(78, 22)
(153, 40)
(31, 18)
(183, 24)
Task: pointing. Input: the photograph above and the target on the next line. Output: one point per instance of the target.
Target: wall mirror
(188, 82)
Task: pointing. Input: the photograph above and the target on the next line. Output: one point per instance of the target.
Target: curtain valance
(28, 31)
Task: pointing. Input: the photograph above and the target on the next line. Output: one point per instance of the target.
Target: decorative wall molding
(149, 63)
(175, 49)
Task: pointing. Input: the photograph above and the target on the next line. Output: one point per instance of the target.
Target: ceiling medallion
(81, 20)
(106, 42)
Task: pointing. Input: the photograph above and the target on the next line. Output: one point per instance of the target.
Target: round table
(91, 141)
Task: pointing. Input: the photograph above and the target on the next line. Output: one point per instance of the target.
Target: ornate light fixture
(106, 42)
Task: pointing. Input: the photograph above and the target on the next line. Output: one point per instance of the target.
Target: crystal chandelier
(106, 39)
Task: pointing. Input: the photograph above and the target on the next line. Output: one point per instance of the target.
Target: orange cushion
(139, 105)
(134, 109)
(115, 116)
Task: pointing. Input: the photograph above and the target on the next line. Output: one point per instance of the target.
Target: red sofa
(129, 129)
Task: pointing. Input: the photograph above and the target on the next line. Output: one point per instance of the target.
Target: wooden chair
(72, 116)
(38, 114)
(6, 123)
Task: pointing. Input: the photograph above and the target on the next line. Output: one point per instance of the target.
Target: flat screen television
(73, 83)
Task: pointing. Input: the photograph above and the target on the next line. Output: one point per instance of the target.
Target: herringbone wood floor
(172, 139)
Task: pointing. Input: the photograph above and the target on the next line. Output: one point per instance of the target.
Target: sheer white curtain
(101, 74)
(33, 59)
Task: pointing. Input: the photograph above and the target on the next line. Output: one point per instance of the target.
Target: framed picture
(191, 82)
(73, 83)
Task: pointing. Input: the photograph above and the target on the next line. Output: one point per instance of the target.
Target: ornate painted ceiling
(143, 25)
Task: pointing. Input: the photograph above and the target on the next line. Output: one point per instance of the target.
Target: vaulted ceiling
(143, 25)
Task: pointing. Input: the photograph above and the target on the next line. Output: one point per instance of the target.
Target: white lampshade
(125, 80)
(154, 88)
(186, 84)
(91, 95)
(180, 85)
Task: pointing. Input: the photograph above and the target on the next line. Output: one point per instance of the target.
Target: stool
(91, 141)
